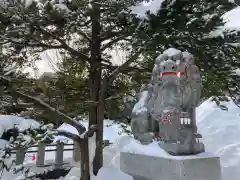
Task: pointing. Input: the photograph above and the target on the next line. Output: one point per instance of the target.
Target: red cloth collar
(172, 73)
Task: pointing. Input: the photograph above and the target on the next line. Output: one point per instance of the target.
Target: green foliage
(193, 26)
(22, 140)
(42, 25)
(72, 82)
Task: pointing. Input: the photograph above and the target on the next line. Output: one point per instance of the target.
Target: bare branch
(126, 70)
(65, 45)
(81, 129)
(4, 42)
(124, 65)
(85, 35)
(25, 105)
(39, 102)
(112, 42)
(113, 97)
(111, 34)
(39, 44)
(109, 79)
(76, 137)
(89, 133)
(92, 103)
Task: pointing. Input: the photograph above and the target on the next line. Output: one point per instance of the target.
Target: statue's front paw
(146, 138)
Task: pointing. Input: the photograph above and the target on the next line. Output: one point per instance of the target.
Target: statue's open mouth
(176, 73)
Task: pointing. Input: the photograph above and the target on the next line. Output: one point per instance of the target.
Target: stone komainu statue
(166, 105)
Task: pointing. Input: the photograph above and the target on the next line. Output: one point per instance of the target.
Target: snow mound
(140, 106)
(109, 173)
(9, 122)
(112, 130)
(231, 19)
(130, 145)
(220, 130)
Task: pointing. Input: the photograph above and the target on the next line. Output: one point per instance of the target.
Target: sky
(49, 58)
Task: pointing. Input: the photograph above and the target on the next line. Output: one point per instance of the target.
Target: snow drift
(220, 130)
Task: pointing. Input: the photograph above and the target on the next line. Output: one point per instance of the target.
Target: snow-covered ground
(112, 132)
(221, 133)
(232, 19)
(220, 130)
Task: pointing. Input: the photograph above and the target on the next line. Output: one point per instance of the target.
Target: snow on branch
(67, 134)
(89, 133)
(81, 129)
(114, 41)
(68, 119)
(39, 44)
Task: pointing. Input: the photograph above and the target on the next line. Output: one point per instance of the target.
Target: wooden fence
(40, 153)
(59, 151)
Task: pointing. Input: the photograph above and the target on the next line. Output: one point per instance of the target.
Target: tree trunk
(94, 82)
(98, 160)
(85, 174)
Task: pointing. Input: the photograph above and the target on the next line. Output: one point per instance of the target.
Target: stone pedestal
(143, 167)
(182, 149)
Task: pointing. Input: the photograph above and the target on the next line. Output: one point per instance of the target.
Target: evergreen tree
(195, 26)
(84, 31)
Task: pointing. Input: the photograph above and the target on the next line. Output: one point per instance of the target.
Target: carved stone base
(182, 149)
(143, 167)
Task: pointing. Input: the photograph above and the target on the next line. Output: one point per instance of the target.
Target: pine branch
(109, 79)
(89, 133)
(118, 70)
(76, 137)
(64, 45)
(39, 44)
(81, 129)
(111, 34)
(85, 35)
(68, 134)
(114, 41)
